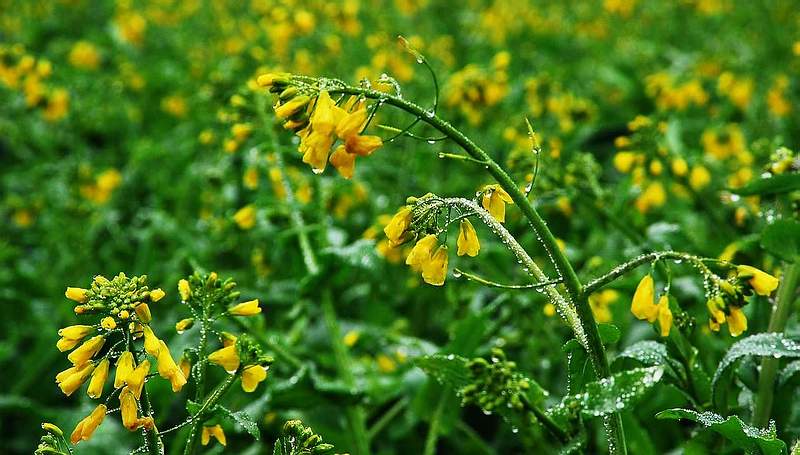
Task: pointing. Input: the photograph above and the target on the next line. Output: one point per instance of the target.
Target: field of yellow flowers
(399, 226)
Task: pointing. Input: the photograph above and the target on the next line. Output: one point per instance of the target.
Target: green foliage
(751, 440)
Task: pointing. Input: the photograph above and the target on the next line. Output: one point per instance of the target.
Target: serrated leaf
(609, 395)
(750, 439)
(243, 419)
(782, 238)
(782, 183)
(761, 344)
(450, 370)
(788, 372)
(652, 353)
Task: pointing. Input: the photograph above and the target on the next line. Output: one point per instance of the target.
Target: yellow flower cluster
(670, 95)
(320, 122)
(100, 190)
(427, 256)
(26, 73)
(125, 304)
(473, 89)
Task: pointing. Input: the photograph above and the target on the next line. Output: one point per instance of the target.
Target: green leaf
(579, 369)
(750, 439)
(788, 372)
(761, 344)
(243, 419)
(450, 370)
(782, 183)
(192, 407)
(652, 353)
(612, 394)
(609, 333)
(782, 238)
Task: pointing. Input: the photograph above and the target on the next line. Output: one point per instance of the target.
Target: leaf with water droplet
(750, 439)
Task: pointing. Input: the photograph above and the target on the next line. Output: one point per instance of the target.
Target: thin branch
(487, 282)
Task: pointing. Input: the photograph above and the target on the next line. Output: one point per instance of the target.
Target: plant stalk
(591, 339)
(769, 365)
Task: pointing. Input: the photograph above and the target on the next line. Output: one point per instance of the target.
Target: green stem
(281, 352)
(355, 414)
(153, 441)
(545, 420)
(626, 267)
(387, 417)
(433, 429)
(769, 365)
(591, 336)
(197, 419)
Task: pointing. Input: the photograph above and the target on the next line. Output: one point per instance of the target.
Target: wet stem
(208, 404)
(593, 344)
(356, 416)
(200, 375)
(769, 365)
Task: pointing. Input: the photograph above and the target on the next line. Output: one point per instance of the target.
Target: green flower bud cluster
(297, 439)
(207, 290)
(52, 443)
(250, 352)
(495, 384)
(117, 297)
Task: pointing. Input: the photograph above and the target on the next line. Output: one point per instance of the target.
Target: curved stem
(626, 267)
(590, 338)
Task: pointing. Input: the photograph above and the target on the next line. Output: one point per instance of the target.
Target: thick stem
(591, 336)
(197, 419)
(769, 365)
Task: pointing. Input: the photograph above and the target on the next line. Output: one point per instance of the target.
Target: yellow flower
(135, 379)
(184, 325)
(185, 366)
(143, 312)
(270, 79)
(398, 225)
(87, 350)
(385, 363)
(343, 161)
(664, 315)
(184, 290)
(245, 217)
(600, 301)
(292, 106)
(157, 294)
(71, 336)
(248, 308)
(717, 318)
(77, 294)
(624, 161)
(467, 239)
(84, 55)
(124, 369)
(762, 282)
(252, 375)
(326, 114)
(216, 432)
(98, 380)
(241, 131)
(422, 252)
(699, 178)
(73, 378)
(494, 200)
(652, 196)
(85, 428)
(435, 270)
(737, 321)
(128, 410)
(226, 357)
(643, 306)
(350, 338)
(549, 310)
(168, 369)
(108, 323)
(151, 342)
